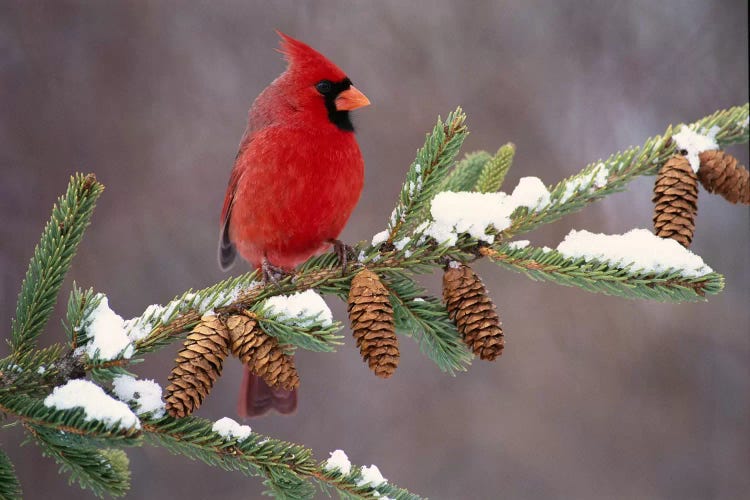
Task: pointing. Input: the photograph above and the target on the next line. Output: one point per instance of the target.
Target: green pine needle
(51, 261)
(466, 172)
(426, 320)
(306, 333)
(287, 468)
(10, 488)
(494, 170)
(601, 277)
(105, 472)
(621, 168)
(427, 173)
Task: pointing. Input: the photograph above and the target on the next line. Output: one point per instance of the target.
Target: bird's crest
(304, 58)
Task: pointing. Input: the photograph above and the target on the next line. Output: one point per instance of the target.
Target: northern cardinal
(297, 176)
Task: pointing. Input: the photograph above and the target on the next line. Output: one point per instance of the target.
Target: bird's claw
(344, 252)
(271, 273)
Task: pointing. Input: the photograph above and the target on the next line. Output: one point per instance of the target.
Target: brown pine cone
(371, 316)
(198, 365)
(720, 173)
(473, 311)
(261, 352)
(676, 201)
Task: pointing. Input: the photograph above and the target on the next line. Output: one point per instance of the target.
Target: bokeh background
(595, 397)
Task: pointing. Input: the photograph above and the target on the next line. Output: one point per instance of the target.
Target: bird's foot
(344, 252)
(271, 273)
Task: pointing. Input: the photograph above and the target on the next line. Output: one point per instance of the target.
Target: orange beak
(350, 99)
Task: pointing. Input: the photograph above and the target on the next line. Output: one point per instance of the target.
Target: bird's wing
(227, 250)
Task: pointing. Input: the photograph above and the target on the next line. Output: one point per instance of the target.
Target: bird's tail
(257, 398)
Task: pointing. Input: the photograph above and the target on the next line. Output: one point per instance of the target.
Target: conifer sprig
(572, 194)
(288, 468)
(600, 277)
(103, 471)
(51, 261)
(427, 173)
(10, 488)
(494, 170)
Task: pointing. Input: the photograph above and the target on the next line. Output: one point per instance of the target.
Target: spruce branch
(307, 333)
(103, 471)
(494, 170)
(74, 422)
(287, 467)
(10, 488)
(425, 318)
(572, 194)
(466, 172)
(427, 173)
(600, 277)
(51, 261)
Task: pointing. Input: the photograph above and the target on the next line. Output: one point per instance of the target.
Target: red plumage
(297, 176)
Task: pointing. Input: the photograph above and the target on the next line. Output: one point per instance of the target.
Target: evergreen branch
(575, 192)
(36, 371)
(33, 412)
(104, 472)
(494, 171)
(10, 488)
(287, 467)
(312, 334)
(594, 276)
(51, 261)
(427, 173)
(80, 304)
(466, 172)
(424, 318)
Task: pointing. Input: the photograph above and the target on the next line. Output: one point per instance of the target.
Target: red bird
(297, 176)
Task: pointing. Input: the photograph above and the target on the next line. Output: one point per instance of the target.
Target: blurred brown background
(595, 397)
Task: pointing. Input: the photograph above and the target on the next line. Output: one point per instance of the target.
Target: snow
(694, 143)
(107, 334)
(454, 213)
(400, 244)
(303, 308)
(530, 192)
(518, 244)
(454, 264)
(139, 327)
(338, 461)
(371, 476)
(463, 212)
(230, 429)
(145, 394)
(638, 248)
(597, 178)
(418, 299)
(96, 404)
(221, 299)
(380, 237)
(41, 370)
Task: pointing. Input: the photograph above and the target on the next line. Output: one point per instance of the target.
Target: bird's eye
(324, 86)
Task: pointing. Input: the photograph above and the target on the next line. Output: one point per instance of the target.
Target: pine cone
(676, 200)
(371, 316)
(260, 352)
(473, 311)
(719, 173)
(198, 365)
